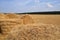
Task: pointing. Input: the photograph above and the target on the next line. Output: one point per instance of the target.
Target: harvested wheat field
(29, 27)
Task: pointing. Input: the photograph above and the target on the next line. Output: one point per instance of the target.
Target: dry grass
(29, 27)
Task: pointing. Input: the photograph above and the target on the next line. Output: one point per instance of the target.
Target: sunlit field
(29, 27)
(49, 19)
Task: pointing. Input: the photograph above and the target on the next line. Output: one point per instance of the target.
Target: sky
(21, 6)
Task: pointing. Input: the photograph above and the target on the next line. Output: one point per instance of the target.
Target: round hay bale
(26, 19)
(12, 16)
(7, 26)
(2, 16)
(8, 21)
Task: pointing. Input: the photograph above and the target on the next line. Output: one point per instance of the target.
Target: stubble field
(29, 27)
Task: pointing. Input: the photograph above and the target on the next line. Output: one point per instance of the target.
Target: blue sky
(20, 6)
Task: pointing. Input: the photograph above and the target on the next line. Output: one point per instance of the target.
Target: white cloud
(29, 1)
(49, 5)
(23, 2)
